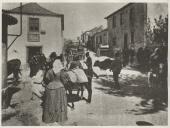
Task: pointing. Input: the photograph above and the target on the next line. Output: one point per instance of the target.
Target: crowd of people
(55, 98)
(151, 60)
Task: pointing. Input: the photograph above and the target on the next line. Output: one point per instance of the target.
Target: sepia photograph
(84, 64)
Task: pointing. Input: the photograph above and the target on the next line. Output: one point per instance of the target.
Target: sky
(79, 17)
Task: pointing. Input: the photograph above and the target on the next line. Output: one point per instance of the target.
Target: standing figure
(164, 52)
(55, 100)
(131, 55)
(154, 67)
(89, 73)
(125, 56)
(98, 50)
(145, 57)
(139, 56)
(116, 68)
(51, 59)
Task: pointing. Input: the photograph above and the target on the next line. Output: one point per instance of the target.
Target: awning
(8, 19)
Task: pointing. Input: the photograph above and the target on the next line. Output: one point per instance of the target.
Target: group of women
(55, 98)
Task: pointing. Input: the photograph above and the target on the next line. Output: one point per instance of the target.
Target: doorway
(33, 50)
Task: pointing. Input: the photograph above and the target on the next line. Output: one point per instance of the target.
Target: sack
(81, 76)
(73, 76)
(38, 89)
(83, 65)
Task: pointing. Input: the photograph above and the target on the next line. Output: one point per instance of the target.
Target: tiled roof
(34, 9)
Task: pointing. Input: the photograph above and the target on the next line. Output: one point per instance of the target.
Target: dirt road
(133, 105)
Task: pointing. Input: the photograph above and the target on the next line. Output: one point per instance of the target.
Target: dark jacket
(89, 71)
(116, 66)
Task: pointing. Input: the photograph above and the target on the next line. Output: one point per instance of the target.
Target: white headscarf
(57, 66)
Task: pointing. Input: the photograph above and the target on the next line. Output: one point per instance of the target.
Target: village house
(42, 31)
(126, 26)
(101, 42)
(88, 37)
(84, 38)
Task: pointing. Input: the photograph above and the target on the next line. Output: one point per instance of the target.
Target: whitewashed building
(42, 31)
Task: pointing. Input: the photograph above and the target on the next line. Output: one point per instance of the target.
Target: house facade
(88, 37)
(84, 38)
(126, 26)
(101, 39)
(42, 31)
(101, 43)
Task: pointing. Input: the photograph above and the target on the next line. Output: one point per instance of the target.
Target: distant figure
(164, 52)
(145, 57)
(125, 56)
(155, 60)
(163, 79)
(163, 66)
(76, 63)
(116, 68)
(53, 56)
(131, 55)
(140, 55)
(98, 51)
(154, 67)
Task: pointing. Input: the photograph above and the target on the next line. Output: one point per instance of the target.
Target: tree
(157, 34)
(149, 32)
(161, 30)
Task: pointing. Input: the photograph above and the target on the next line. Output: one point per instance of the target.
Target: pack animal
(104, 65)
(13, 66)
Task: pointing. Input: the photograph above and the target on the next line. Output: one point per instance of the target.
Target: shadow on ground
(153, 100)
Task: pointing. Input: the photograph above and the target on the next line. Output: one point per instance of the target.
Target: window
(121, 18)
(132, 16)
(114, 41)
(113, 21)
(100, 39)
(33, 25)
(132, 37)
(33, 30)
(96, 39)
(33, 37)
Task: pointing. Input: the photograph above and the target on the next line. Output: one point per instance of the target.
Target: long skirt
(55, 105)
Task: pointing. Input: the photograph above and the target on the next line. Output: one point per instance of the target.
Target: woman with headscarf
(55, 100)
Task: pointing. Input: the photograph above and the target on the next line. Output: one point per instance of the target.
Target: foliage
(161, 30)
(157, 34)
(149, 32)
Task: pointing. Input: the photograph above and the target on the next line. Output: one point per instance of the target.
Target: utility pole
(4, 50)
